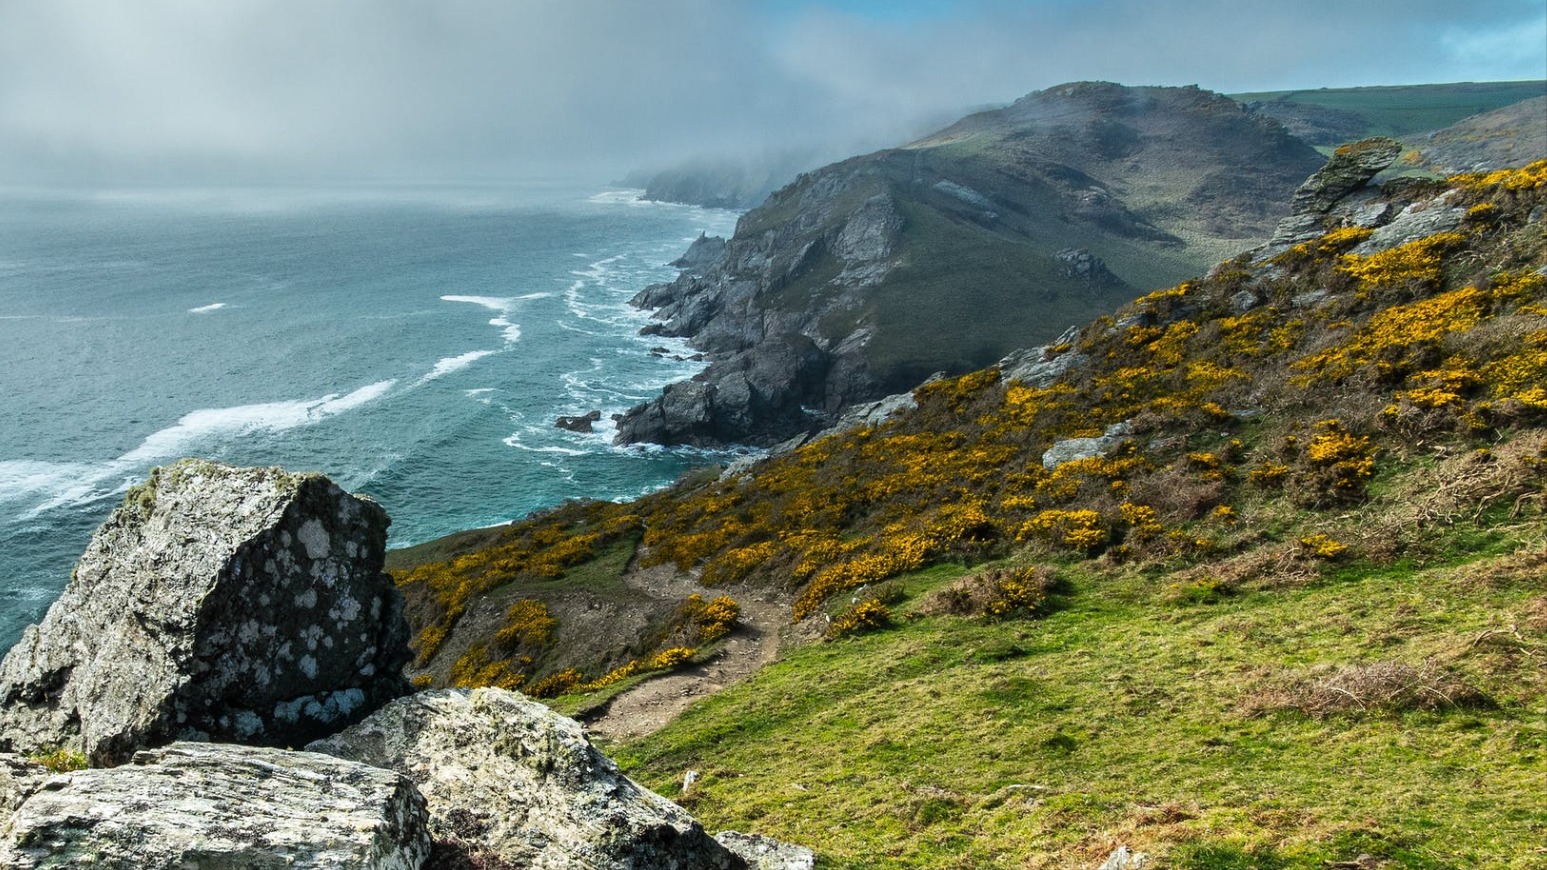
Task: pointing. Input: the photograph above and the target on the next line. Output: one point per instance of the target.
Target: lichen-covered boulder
(509, 780)
(217, 603)
(221, 807)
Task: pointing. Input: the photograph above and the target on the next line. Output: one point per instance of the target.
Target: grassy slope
(1403, 110)
(1123, 719)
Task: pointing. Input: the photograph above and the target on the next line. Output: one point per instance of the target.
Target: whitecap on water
(453, 363)
(202, 309)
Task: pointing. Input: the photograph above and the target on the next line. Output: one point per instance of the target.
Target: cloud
(100, 90)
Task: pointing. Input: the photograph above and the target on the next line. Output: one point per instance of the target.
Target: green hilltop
(1249, 573)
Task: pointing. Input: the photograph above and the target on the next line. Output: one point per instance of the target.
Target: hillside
(866, 276)
(1331, 116)
(1512, 136)
(1247, 573)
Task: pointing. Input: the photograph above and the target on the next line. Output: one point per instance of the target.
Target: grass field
(1403, 110)
(1142, 715)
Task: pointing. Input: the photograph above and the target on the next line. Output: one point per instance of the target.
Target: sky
(103, 92)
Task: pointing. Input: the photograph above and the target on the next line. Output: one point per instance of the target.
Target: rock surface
(245, 605)
(19, 778)
(509, 780)
(1351, 168)
(1123, 858)
(221, 807)
(1075, 449)
(766, 853)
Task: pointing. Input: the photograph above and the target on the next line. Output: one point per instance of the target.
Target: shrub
(867, 615)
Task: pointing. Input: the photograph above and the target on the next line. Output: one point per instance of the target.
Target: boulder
(508, 780)
(1415, 222)
(221, 807)
(1074, 449)
(766, 853)
(1123, 858)
(579, 423)
(217, 603)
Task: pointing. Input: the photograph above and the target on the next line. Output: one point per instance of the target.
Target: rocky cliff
(998, 232)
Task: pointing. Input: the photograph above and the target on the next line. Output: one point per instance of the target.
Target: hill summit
(1003, 229)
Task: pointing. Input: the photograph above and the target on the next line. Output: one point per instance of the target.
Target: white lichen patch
(315, 539)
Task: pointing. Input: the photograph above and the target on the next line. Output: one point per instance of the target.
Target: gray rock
(221, 807)
(706, 252)
(1036, 369)
(1244, 301)
(245, 605)
(1349, 169)
(19, 778)
(1417, 221)
(508, 778)
(1074, 449)
(766, 853)
(579, 423)
(1291, 231)
(1309, 299)
(1123, 858)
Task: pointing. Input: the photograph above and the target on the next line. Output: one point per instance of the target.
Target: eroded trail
(649, 706)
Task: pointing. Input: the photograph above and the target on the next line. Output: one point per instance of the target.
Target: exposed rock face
(737, 401)
(1340, 195)
(705, 253)
(19, 778)
(953, 250)
(506, 778)
(1074, 449)
(221, 807)
(243, 605)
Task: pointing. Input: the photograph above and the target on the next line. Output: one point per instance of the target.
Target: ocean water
(413, 343)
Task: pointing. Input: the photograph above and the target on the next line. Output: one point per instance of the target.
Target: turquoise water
(415, 344)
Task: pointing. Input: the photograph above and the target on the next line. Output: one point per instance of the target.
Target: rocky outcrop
(1350, 168)
(704, 254)
(509, 780)
(737, 401)
(579, 423)
(1075, 449)
(953, 250)
(220, 807)
(217, 603)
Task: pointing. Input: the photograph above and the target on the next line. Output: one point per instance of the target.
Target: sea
(415, 343)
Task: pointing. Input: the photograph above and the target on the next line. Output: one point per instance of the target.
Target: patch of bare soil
(649, 706)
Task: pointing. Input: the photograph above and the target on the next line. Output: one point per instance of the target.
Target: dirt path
(649, 706)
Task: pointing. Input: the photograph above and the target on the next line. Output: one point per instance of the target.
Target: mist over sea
(413, 343)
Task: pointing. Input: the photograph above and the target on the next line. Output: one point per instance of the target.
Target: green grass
(1403, 110)
(1124, 718)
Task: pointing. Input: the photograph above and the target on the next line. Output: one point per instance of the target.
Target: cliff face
(998, 232)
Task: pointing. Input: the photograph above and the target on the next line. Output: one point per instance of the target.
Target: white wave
(626, 196)
(24, 477)
(505, 305)
(478, 392)
(206, 423)
(213, 306)
(453, 363)
(495, 303)
(515, 441)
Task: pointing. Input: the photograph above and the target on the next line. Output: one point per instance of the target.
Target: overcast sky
(112, 91)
